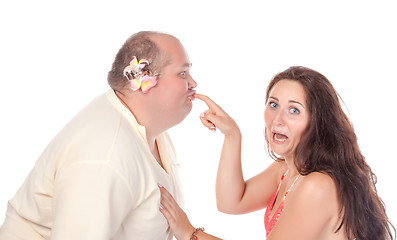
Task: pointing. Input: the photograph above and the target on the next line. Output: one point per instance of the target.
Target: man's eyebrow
(187, 65)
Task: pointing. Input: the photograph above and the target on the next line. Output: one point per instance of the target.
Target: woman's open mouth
(279, 138)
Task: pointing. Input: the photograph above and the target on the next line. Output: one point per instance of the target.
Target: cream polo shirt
(97, 179)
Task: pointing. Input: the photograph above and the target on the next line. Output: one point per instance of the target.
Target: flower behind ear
(138, 77)
(147, 83)
(135, 67)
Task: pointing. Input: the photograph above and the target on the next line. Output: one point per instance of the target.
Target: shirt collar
(115, 101)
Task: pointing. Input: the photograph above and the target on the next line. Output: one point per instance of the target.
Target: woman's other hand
(176, 217)
(216, 117)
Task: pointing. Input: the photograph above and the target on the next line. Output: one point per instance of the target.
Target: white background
(55, 55)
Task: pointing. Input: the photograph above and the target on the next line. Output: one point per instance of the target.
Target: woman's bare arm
(234, 195)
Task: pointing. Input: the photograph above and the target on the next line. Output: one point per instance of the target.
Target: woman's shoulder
(318, 185)
(317, 189)
(318, 181)
(315, 200)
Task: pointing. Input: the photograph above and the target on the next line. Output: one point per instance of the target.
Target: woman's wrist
(235, 133)
(188, 233)
(194, 235)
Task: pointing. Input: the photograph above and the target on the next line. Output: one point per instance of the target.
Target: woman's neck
(292, 170)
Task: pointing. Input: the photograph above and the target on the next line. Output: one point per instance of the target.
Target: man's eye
(183, 74)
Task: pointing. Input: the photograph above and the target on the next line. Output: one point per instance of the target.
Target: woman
(319, 186)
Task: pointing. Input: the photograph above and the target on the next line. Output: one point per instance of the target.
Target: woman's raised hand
(176, 217)
(216, 117)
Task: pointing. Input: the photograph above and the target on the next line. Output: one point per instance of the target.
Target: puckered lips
(279, 137)
(191, 94)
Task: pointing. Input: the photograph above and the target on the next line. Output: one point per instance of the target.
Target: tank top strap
(289, 189)
(282, 178)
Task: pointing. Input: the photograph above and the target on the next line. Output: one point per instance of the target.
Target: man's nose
(192, 83)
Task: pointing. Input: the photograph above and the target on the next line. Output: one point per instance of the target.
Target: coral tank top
(271, 222)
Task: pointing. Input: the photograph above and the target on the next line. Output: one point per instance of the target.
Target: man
(98, 177)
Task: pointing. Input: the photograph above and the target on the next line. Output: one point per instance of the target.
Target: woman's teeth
(280, 137)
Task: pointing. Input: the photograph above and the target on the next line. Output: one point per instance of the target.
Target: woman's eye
(294, 111)
(273, 104)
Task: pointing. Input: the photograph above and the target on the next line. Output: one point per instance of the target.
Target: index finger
(207, 100)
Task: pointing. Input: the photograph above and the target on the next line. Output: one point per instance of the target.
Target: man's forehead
(165, 41)
(178, 56)
(172, 49)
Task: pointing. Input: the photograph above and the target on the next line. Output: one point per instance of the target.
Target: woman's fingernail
(161, 207)
(202, 115)
(159, 185)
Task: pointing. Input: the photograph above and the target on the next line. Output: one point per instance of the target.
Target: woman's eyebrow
(292, 101)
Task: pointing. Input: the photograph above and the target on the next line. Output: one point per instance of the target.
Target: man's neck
(142, 113)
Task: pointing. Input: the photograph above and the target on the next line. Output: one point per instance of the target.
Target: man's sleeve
(90, 202)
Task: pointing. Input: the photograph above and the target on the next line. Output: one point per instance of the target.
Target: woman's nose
(279, 118)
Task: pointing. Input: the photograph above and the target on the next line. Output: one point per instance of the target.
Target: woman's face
(286, 117)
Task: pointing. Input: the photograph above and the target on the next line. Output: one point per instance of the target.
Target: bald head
(144, 45)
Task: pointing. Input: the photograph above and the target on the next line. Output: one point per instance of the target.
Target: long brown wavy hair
(330, 146)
